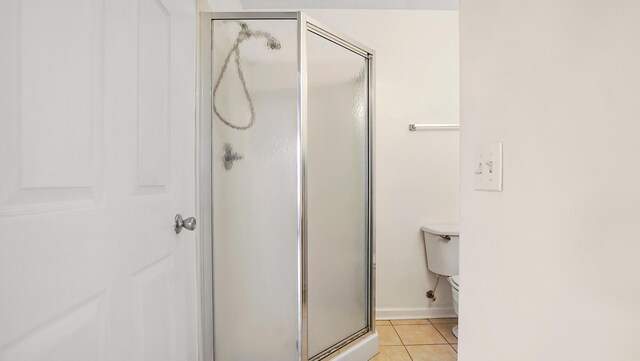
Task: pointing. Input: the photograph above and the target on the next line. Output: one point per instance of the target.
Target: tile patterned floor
(417, 340)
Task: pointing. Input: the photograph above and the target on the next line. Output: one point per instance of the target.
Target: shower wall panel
(255, 207)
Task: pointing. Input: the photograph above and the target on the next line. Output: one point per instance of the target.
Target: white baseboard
(411, 313)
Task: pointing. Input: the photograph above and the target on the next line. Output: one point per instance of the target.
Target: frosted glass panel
(255, 225)
(337, 193)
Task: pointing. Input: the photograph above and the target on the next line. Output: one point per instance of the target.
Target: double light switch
(488, 168)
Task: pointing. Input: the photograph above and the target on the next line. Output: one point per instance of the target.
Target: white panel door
(97, 136)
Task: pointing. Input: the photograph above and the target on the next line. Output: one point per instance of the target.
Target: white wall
(417, 172)
(550, 266)
(219, 5)
(352, 4)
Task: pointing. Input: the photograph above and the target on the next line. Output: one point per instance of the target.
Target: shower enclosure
(286, 150)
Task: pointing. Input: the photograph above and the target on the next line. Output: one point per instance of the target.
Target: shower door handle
(179, 223)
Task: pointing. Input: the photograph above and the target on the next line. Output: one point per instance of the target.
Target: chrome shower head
(246, 33)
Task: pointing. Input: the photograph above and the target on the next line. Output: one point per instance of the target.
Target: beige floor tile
(383, 323)
(392, 353)
(455, 346)
(388, 336)
(443, 320)
(432, 353)
(419, 335)
(410, 322)
(445, 330)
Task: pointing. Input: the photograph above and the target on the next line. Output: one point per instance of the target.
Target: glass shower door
(337, 190)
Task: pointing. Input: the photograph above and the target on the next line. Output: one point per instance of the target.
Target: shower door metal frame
(305, 24)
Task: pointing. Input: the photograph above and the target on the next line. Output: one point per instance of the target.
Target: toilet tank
(441, 243)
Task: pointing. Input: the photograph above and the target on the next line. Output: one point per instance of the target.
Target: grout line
(397, 334)
(429, 323)
(441, 334)
(401, 340)
(408, 353)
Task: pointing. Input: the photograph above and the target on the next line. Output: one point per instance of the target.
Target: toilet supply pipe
(431, 294)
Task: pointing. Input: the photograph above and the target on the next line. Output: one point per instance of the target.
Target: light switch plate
(488, 168)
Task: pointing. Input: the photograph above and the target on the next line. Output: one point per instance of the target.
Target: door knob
(179, 223)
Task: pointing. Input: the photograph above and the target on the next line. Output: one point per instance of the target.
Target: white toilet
(455, 291)
(442, 243)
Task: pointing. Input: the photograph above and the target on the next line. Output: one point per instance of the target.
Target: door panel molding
(153, 98)
(54, 142)
(84, 326)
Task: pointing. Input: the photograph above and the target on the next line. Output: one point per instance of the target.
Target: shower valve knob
(179, 223)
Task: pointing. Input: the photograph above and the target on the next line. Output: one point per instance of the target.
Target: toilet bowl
(441, 243)
(455, 293)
